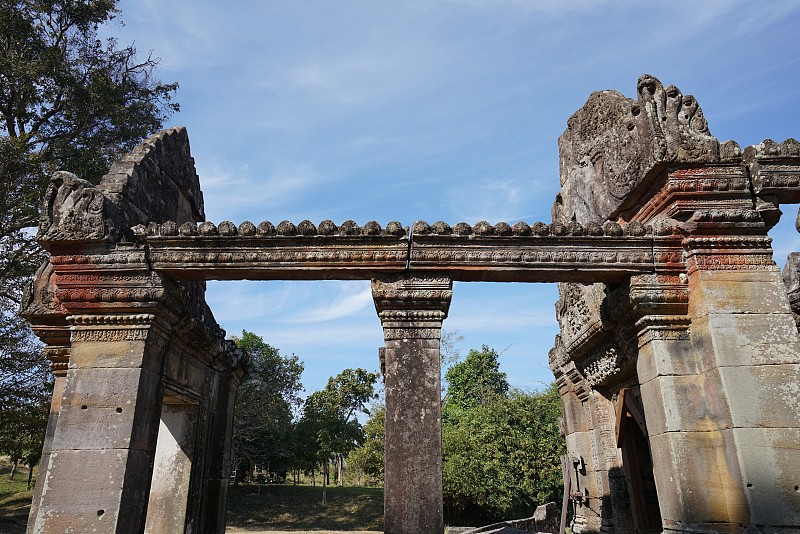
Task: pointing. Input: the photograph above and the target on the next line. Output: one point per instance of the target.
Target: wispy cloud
(351, 299)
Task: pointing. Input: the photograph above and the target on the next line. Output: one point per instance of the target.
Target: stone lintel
(548, 258)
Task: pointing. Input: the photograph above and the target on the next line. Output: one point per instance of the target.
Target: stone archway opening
(666, 274)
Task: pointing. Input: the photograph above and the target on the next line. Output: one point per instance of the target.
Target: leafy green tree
(501, 458)
(501, 448)
(25, 389)
(475, 380)
(68, 100)
(265, 405)
(369, 457)
(329, 417)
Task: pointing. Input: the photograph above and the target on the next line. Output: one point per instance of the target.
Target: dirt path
(236, 530)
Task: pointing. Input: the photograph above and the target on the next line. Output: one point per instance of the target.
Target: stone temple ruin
(678, 359)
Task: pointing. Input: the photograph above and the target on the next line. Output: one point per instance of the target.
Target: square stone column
(100, 464)
(411, 309)
(743, 325)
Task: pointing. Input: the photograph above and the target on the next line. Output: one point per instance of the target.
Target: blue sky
(435, 110)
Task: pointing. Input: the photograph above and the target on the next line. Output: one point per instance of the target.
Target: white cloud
(351, 299)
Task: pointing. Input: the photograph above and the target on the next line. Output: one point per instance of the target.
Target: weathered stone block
(763, 395)
(771, 474)
(698, 478)
(185, 371)
(691, 403)
(113, 354)
(101, 491)
(670, 357)
(732, 292)
(749, 339)
(109, 409)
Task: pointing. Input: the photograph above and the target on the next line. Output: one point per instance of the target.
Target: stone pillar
(411, 309)
(100, 467)
(56, 337)
(743, 328)
(687, 421)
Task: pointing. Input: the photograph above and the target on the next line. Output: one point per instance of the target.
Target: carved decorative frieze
(72, 210)
(102, 328)
(717, 194)
(593, 252)
(725, 253)
(578, 314)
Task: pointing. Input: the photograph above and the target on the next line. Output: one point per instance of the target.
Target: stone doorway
(637, 461)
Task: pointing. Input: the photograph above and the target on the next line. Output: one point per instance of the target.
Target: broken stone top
(153, 183)
(613, 144)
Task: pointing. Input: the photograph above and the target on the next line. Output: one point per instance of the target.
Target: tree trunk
(325, 482)
(14, 469)
(340, 460)
(30, 475)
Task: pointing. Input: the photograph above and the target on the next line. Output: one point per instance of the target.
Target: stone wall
(701, 354)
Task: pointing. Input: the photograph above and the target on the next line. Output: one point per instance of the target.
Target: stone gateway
(678, 357)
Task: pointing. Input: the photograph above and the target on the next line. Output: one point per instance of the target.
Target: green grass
(274, 507)
(287, 507)
(15, 499)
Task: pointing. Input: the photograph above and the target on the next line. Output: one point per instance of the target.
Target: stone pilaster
(99, 471)
(743, 329)
(411, 309)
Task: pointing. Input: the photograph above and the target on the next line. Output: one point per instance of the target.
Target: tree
(329, 417)
(501, 448)
(25, 388)
(502, 458)
(71, 101)
(369, 457)
(265, 405)
(476, 380)
(68, 99)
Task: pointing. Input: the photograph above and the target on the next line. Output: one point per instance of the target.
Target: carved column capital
(729, 253)
(660, 304)
(412, 305)
(122, 327)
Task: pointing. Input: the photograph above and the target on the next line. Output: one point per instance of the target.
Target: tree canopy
(501, 458)
(69, 100)
(369, 457)
(475, 380)
(265, 404)
(501, 447)
(329, 422)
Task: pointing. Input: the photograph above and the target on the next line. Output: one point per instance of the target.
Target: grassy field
(287, 508)
(15, 499)
(270, 508)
